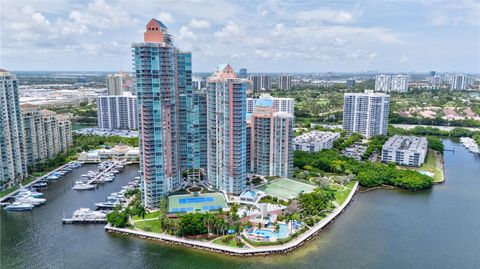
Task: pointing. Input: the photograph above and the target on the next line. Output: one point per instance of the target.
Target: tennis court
(196, 203)
(284, 188)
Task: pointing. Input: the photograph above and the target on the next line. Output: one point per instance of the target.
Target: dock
(95, 179)
(84, 221)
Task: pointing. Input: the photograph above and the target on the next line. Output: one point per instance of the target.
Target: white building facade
(117, 112)
(279, 104)
(405, 150)
(315, 141)
(366, 113)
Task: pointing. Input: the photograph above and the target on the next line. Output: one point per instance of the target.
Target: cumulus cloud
(326, 15)
(165, 17)
(232, 29)
(199, 23)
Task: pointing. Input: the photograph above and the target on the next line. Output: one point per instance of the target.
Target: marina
(470, 144)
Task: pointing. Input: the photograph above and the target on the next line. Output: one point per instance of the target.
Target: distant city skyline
(272, 36)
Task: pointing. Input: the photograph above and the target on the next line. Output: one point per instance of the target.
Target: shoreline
(256, 251)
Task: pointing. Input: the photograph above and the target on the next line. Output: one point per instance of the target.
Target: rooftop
(406, 143)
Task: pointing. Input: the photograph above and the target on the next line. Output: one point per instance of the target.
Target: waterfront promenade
(260, 250)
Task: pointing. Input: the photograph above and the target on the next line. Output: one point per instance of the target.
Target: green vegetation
(432, 164)
(431, 131)
(315, 203)
(369, 174)
(149, 225)
(342, 194)
(435, 143)
(375, 144)
(9, 190)
(150, 215)
(84, 113)
(228, 240)
(346, 141)
(89, 142)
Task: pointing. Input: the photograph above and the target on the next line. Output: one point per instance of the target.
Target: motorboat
(17, 206)
(40, 185)
(109, 204)
(108, 179)
(30, 200)
(32, 193)
(79, 185)
(87, 213)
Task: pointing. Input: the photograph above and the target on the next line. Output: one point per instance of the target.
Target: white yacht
(17, 206)
(30, 200)
(86, 213)
(79, 185)
(111, 203)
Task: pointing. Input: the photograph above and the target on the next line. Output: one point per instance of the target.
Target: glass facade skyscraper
(163, 79)
(13, 160)
(226, 134)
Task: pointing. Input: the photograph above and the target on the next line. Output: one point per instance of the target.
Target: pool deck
(260, 250)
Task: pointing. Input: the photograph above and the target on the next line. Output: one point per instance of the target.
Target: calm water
(439, 228)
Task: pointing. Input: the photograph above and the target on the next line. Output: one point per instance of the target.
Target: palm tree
(277, 229)
(142, 211)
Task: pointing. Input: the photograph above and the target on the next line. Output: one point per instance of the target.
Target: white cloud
(455, 13)
(231, 30)
(326, 15)
(199, 23)
(186, 34)
(166, 17)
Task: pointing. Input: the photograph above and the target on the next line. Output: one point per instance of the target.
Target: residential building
(242, 73)
(162, 73)
(116, 112)
(226, 130)
(271, 148)
(198, 83)
(115, 84)
(388, 83)
(13, 160)
(383, 83)
(405, 150)
(285, 82)
(315, 141)
(350, 83)
(399, 83)
(197, 147)
(366, 113)
(35, 146)
(279, 104)
(256, 82)
(459, 82)
(265, 82)
(46, 133)
(436, 81)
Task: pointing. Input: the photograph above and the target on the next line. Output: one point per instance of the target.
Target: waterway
(439, 228)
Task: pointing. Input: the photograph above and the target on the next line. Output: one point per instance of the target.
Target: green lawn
(150, 215)
(231, 242)
(341, 196)
(430, 165)
(149, 225)
(285, 189)
(7, 191)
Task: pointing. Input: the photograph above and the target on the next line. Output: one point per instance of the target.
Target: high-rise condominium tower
(366, 113)
(271, 141)
(13, 163)
(163, 79)
(115, 84)
(226, 134)
(285, 82)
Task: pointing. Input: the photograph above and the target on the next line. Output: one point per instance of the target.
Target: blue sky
(263, 36)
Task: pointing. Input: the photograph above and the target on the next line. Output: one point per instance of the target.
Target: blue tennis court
(195, 200)
(196, 203)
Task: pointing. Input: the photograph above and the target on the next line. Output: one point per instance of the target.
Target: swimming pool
(282, 233)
